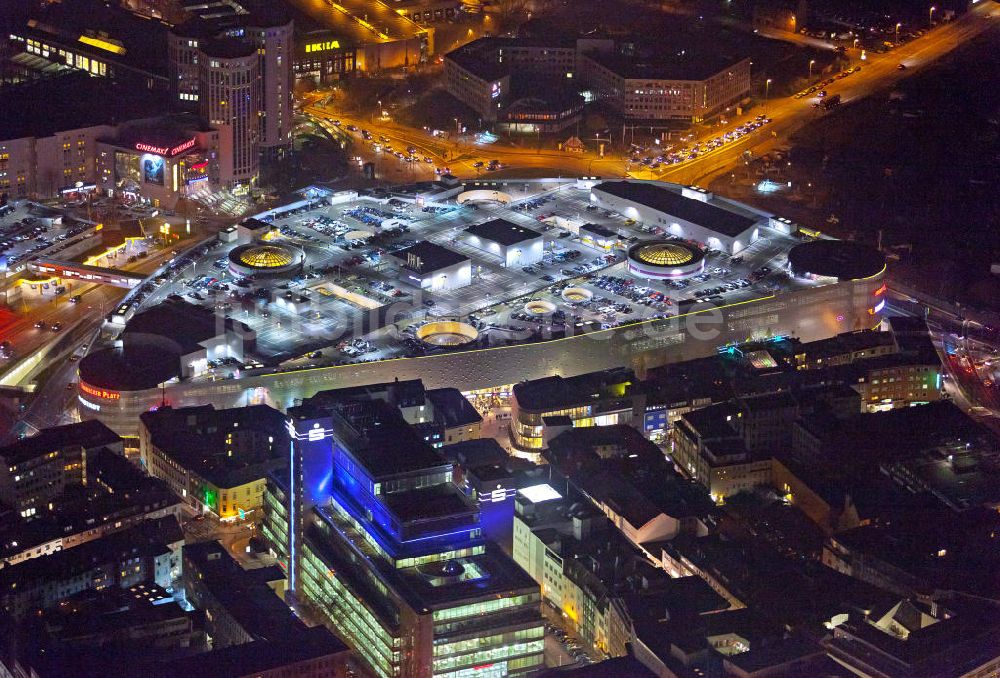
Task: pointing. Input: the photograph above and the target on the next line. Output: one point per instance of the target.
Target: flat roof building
(515, 245)
(216, 460)
(379, 37)
(686, 85)
(375, 531)
(810, 309)
(688, 212)
(595, 399)
(430, 266)
(522, 84)
(171, 340)
(101, 39)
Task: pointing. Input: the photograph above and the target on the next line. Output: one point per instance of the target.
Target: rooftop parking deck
(354, 301)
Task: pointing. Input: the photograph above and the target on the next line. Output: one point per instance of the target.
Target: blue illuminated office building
(383, 546)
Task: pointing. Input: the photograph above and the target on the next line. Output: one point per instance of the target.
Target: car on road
(478, 164)
(56, 327)
(901, 67)
(40, 325)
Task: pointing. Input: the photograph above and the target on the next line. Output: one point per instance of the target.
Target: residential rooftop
(257, 657)
(245, 594)
(452, 409)
(88, 435)
(150, 537)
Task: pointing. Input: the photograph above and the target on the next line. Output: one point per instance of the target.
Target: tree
(510, 13)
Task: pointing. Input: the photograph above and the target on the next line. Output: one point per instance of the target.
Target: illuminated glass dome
(664, 254)
(265, 260)
(664, 259)
(266, 256)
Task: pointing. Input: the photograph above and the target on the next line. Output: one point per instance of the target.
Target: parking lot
(334, 311)
(26, 230)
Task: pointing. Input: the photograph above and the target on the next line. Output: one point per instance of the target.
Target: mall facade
(833, 287)
(808, 314)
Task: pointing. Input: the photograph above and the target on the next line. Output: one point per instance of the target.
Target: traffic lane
(25, 338)
(54, 404)
(788, 114)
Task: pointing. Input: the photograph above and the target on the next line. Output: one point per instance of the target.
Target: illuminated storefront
(323, 60)
(159, 167)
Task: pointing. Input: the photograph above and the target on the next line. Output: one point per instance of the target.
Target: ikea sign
(323, 46)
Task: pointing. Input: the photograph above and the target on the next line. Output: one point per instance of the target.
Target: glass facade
(395, 562)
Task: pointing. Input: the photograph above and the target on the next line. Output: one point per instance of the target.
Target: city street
(878, 72)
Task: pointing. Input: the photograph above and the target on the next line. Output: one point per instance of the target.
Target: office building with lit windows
(683, 86)
(523, 84)
(234, 65)
(45, 155)
(384, 547)
(92, 36)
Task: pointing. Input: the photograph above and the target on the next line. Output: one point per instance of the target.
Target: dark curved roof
(839, 259)
(144, 367)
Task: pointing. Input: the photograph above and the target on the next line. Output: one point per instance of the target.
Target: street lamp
(767, 90)
(930, 15)
(812, 62)
(897, 32)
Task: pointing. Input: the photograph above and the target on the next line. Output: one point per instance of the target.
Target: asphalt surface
(878, 72)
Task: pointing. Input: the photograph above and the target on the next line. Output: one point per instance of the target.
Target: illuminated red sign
(881, 290)
(149, 148)
(180, 148)
(166, 150)
(100, 392)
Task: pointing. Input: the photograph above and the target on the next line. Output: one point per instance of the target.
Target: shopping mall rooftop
(352, 297)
